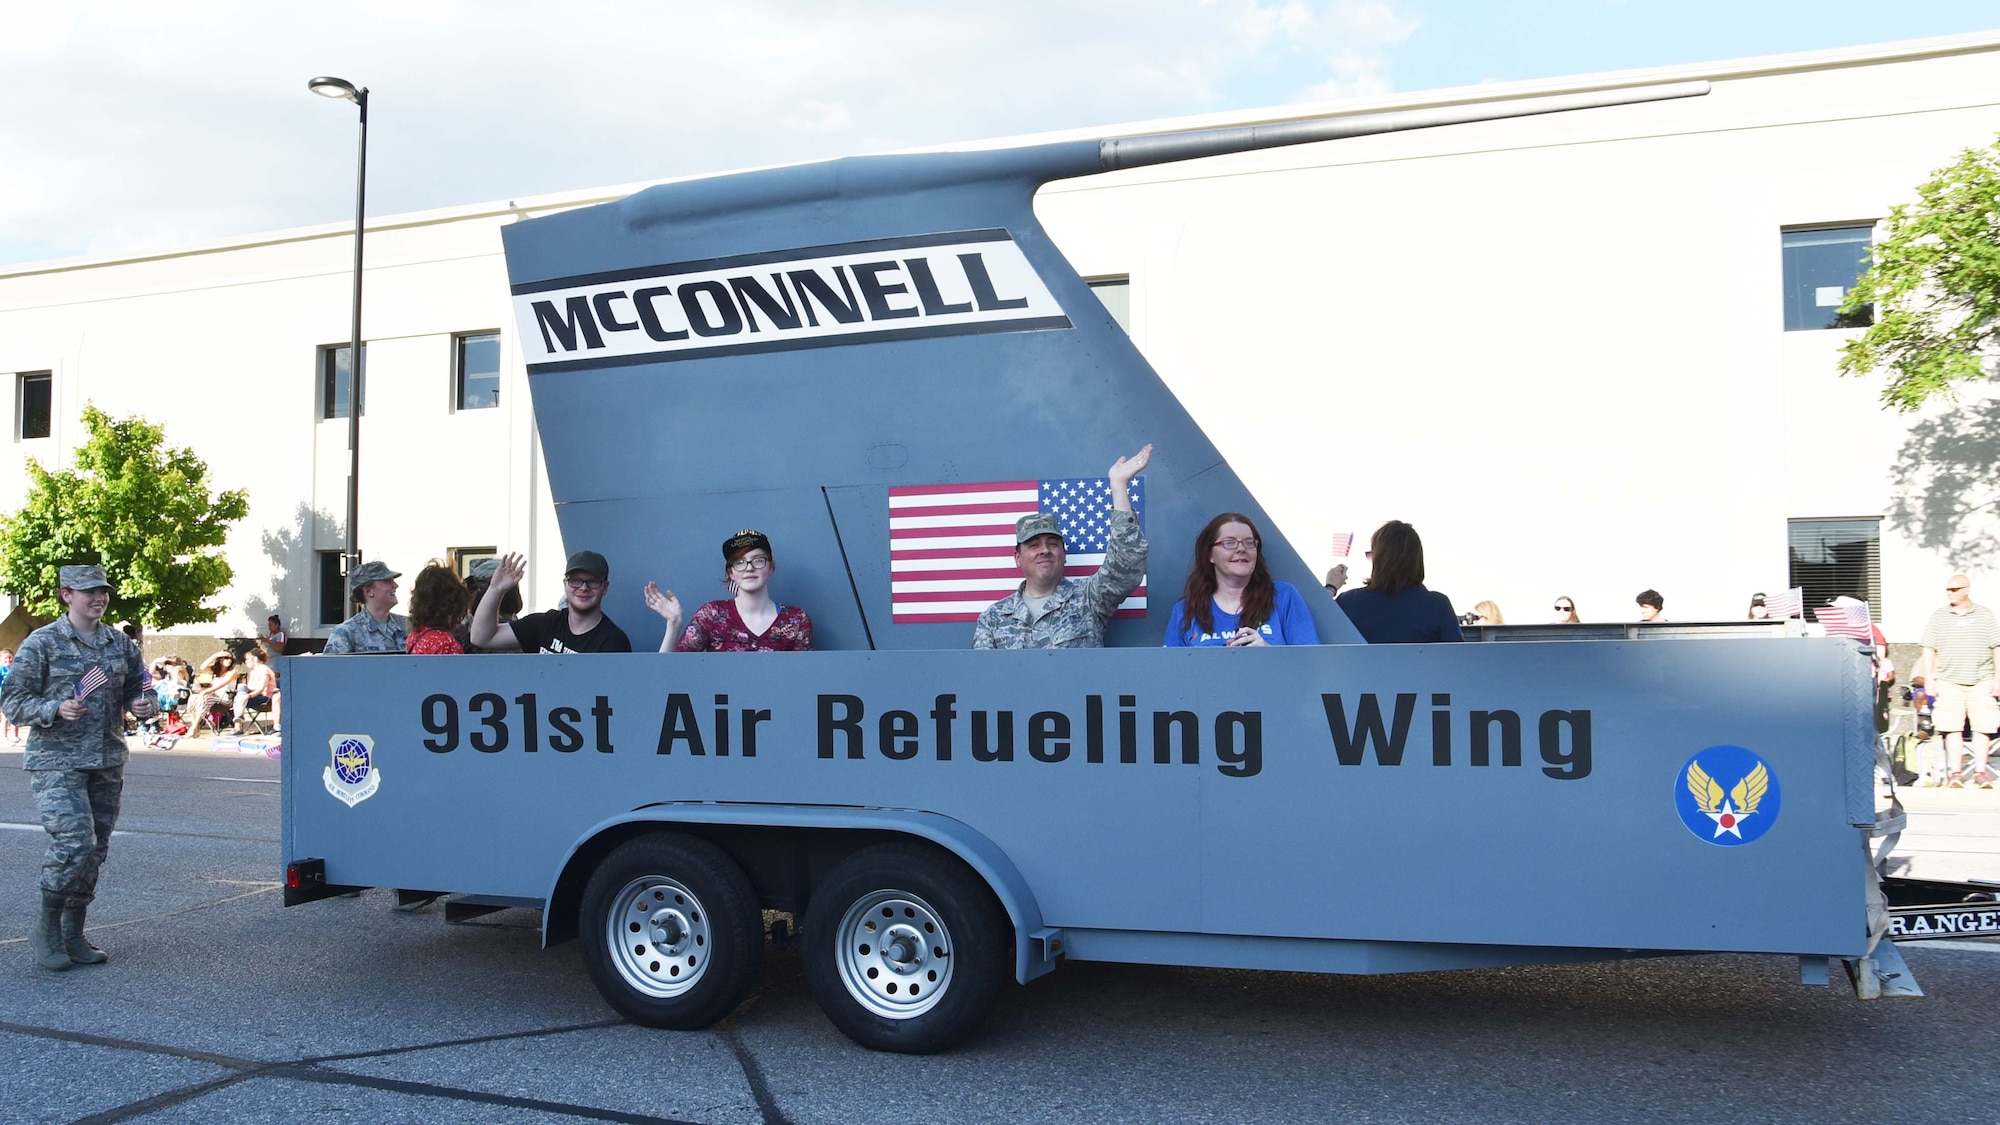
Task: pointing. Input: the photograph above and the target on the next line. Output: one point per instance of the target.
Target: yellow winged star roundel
(1725, 816)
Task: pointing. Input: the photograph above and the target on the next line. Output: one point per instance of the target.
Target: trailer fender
(1036, 946)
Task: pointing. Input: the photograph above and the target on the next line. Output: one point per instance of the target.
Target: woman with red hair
(1230, 600)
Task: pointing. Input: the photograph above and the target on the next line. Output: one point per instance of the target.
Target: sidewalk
(257, 745)
(1954, 834)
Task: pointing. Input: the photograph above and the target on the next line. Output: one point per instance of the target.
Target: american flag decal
(91, 681)
(951, 546)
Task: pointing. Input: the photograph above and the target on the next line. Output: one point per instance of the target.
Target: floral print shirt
(430, 641)
(717, 627)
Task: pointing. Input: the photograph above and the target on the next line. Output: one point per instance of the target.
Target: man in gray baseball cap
(1051, 611)
(70, 684)
(373, 628)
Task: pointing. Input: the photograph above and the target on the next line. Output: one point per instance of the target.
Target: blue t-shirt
(1290, 624)
(1413, 616)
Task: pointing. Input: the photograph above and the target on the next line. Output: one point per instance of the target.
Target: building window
(1831, 558)
(1821, 265)
(332, 589)
(478, 372)
(1116, 293)
(462, 558)
(333, 369)
(34, 396)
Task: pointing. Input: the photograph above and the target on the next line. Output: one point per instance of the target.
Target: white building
(1561, 346)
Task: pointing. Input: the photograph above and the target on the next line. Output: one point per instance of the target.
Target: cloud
(141, 124)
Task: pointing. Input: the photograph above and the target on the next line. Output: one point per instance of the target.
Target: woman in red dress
(438, 602)
(752, 621)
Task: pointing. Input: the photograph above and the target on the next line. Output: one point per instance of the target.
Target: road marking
(249, 780)
(149, 832)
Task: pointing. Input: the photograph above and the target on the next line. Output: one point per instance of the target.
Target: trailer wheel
(906, 948)
(673, 935)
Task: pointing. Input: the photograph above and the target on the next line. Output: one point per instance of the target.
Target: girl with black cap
(752, 621)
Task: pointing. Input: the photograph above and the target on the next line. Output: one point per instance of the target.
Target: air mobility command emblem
(352, 777)
(1728, 796)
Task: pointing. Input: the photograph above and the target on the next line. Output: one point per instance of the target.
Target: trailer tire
(906, 949)
(672, 932)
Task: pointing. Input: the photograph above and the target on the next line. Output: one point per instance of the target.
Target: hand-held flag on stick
(1846, 621)
(1343, 544)
(1791, 603)
(91, 681)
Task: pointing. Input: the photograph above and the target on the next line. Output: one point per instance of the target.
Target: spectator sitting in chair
(220, 690)
(260, 690)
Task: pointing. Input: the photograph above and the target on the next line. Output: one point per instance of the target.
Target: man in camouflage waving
(70, 685)
(1051, 611)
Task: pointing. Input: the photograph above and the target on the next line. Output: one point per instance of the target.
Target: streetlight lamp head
(327, 87)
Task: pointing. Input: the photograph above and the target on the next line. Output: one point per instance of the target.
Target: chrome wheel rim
(659, 936)
(894, 954)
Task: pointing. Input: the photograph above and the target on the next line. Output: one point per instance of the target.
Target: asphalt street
(220, 1005)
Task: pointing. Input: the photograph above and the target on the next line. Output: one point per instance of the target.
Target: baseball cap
(589, 562)
(371, 571)
(744, 541)
(83, 577)
(1037, 523)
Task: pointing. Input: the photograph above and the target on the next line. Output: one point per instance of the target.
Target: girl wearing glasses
(1566, 611)
(1230, 600)
(752, 621)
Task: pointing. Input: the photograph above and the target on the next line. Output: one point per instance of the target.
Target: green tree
(1935, 285)
(133, 506)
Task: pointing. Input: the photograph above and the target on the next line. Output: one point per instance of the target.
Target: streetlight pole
(341, 88)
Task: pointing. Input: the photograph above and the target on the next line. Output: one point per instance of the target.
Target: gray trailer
(805, 349)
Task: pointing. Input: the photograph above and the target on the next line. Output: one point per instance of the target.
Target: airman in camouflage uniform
(1051, 611)
(76, 751)
(374, 629)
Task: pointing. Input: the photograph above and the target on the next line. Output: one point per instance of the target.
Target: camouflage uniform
(362, 633)
(1079, 608)
(77, 767)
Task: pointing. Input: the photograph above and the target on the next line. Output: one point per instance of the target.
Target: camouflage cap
(483, 569)
(84, 578)
(1040, 523)
(369, 572)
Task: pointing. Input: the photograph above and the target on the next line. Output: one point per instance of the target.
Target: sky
(129, 126)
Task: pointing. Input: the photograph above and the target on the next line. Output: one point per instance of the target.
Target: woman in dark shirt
(1393, 607)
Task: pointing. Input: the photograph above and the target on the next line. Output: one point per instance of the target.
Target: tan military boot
(74, 943)
(45, 939)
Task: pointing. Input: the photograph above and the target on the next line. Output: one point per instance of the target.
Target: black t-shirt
(549, 632)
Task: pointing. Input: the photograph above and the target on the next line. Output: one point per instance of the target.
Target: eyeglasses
(1565, 609)
(754, 562)
(1234, 544)
(584, 583)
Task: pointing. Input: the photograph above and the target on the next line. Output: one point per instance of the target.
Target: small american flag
(1343, 544)
(91, 681)
(1791, 603)
(951, 546)
(1846, 621)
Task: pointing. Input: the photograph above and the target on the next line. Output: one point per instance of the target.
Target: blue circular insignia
(1727, 795)
(350, 762)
